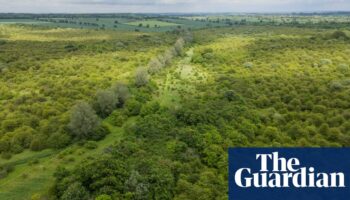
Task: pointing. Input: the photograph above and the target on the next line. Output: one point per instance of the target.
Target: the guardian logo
(289, 173)
(279, 172)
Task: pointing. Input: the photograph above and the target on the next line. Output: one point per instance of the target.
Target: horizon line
(202, 12)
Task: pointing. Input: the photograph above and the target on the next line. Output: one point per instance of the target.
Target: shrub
(34, 161)
(326, 62)
(15, 148)
(22, 137)
(339, 35)
(3, 67)
(154, 66)
(231, 95)
(122, 92)
(117, 118)
(6, 155)
(59, 140)
(105, 102)
(141, 77)
(91, 145)
(83, 121)
(335, 86)
(100, 132)
(104, 197)
(38, 143)
(5, 170)
(343, 68)
(75, 191)
(248, 65)
(24, 176)
(133, 107)
(36, 197)
(71, 48)
(179, 45)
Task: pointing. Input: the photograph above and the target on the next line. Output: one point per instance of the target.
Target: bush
(248, 65)
(5, 170)
(325, 62)
(105, 102)
(154, 66)
(343, 68)
(6, 155)
(99, 133)
(3, 67)
(34, 161)
(15, 148)
(117, 118)
(91, 145)
(339, 35)
(122, 92)
(83, 121)
(104, 197)
(150, 108)
(335, 86)
(38, 143)
(24, 176)
(22, 137)
(75, 192)
(231, 95)
(133, 107)
(141, 77)
(59, 140)
(179, 46)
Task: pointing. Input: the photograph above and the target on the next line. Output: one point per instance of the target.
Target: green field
(115, 23)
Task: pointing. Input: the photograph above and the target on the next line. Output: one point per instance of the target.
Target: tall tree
(83, 120)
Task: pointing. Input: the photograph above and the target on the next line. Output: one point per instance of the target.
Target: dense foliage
(44, 72)
(175, 102)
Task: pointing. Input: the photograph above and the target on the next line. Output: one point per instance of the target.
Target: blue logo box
(289, 173)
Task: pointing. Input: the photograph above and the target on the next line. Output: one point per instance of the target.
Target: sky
(164, 6)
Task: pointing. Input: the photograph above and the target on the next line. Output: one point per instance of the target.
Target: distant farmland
(122, 23)
(152, 23)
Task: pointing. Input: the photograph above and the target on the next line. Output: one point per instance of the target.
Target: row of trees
(156, 64)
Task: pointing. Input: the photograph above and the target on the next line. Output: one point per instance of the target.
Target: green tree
(103, 197)
(179, 46)
(105, 102)
(83, 121)
(75, 192)
(155, 66)
(141, 77)
(122, 92)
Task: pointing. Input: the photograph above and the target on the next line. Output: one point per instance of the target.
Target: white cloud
(44, 6)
